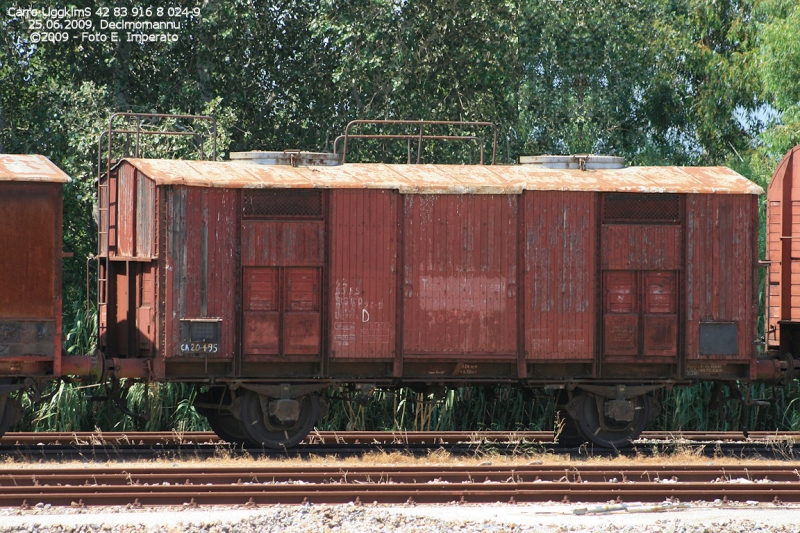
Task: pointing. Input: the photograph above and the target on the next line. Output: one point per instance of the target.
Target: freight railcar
(273, 276)
(276, 275)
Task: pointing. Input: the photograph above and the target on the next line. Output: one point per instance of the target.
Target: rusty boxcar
(782, 321)
(271, 282)
(31, 210)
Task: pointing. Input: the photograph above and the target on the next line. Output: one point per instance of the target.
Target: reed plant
(73, 405)
(462, 409)
(70, 407)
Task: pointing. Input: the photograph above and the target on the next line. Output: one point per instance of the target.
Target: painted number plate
(200, 347)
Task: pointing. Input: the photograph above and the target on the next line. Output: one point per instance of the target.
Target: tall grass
(462, 409)
(499, 408)
(71, 406)
(81, 336)
(506, 408)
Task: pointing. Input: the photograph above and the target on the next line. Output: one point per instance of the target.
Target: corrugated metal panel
(30, 168)
(145, 216)
(273, 243)
(201, 266)
(363, 226)
(447, 179)
(783, 244)
(635, 247)
(126, 211)
(30, 269)
(460, 275)
(721, 255)
(560, 275)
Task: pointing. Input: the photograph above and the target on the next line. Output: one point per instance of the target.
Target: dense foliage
(655, 81)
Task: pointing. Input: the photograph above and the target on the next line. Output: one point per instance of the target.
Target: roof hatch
(294, 158)
(577, 161)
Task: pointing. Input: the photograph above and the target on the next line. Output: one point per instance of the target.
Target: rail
(251, 485)
(106, 438)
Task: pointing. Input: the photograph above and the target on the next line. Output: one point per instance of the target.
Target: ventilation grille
(294, 203)
(200, 330)
(642, 208)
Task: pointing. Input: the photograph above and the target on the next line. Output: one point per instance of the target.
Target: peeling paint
(30, 168)
(447, 179)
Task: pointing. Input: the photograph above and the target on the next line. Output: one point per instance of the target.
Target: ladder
(143, 125)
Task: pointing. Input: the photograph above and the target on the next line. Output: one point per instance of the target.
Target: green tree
(414, 60)
(656, 81)
(777, 64)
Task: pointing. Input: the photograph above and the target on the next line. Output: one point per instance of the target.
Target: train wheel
(227, 427)
(220, 418)
(596, 426)
(278, 423)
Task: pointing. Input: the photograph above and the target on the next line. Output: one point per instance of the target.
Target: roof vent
(578, 161)
(294, 158)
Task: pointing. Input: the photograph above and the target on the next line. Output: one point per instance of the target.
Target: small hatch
(293, 158)
(573, 162)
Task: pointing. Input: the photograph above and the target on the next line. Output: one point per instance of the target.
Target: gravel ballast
(452, 518)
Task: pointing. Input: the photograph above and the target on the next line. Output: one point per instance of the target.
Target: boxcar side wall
(30, 278)
(360, 284)
(783, 249)
(560, 258)
(200, 273)
(721, 285)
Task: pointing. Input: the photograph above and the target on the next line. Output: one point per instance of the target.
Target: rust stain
(30, 267)
(362, 292)
(782, 245)
(30, 168)
(459, 271)
(447, 179)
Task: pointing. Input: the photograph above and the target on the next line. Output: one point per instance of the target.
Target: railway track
(122, 446)
(375, 437)
(203, 485)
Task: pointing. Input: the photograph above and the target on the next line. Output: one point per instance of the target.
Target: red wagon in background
(782, 321)
(31, 211)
